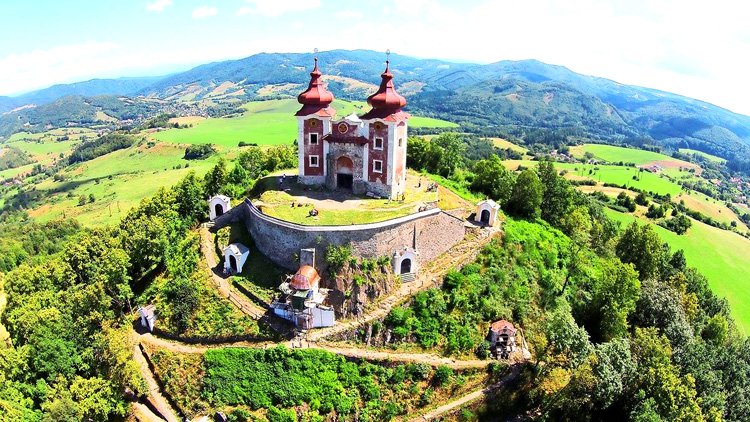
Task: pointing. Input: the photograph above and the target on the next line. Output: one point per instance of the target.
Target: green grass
(615, 154)
(703, 154)
(611, 174)
(264, 284)
(418, 121)
(505, 144)
(43, 148)
(718, 254)
(136, 173)
(269, 122)
(333, 217)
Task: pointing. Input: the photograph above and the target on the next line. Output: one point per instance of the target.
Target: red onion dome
(316, 94)
(306, 278)
(386, 97)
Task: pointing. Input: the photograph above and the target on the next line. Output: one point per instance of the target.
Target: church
(363, 154)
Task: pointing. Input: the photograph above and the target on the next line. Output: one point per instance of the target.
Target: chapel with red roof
(364, 154)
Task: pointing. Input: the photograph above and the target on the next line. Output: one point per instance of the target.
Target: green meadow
(269, 122)
(615, 154)
(118, 182)
(718, 254)
(610, 174)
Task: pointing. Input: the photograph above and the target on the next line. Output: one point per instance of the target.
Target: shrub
(199, 152)
(443, 375)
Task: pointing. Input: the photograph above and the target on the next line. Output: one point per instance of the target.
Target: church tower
(365, 154)
(313, 123)
(386, 128)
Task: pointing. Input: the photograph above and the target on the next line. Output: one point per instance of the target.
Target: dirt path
(464, 400)
(428, 358)
(155, 397)
(226, 290)
(352, 352)
(144, 414)
(460, 254)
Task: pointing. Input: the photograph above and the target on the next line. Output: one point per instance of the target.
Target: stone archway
(219, 210)
(344, 172)
(485, 218)
(406, 266)
(233, 263)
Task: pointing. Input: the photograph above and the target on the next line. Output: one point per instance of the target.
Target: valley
(163, 255)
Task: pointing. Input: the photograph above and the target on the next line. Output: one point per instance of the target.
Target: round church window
(313, 123)
(343, 127)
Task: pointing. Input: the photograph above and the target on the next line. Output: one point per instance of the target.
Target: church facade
(364, 154)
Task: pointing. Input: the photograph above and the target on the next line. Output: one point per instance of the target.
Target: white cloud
(204, 12)
(47, 67)
(348, 14)
(273, 8)
(158, 5)
(298, 25)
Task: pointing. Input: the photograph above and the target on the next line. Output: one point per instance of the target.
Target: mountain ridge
(481, 96)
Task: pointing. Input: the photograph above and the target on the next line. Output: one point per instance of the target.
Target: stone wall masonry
(435, 232)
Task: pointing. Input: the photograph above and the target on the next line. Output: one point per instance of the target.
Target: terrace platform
(293, 202)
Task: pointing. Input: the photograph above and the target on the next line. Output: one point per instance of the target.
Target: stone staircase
(408, 277)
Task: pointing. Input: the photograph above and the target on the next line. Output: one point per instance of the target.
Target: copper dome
(306, 278)
(315, 94)
(386, 97)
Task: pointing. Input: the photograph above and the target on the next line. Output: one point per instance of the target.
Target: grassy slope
(614, 154)
(265, 123)
(710, 207)
(719, 255)
(504, 144)
(136, 172)
(610, 174)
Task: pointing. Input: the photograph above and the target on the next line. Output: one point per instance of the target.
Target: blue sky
(695, 48)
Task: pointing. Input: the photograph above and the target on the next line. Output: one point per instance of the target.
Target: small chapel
(363, 154)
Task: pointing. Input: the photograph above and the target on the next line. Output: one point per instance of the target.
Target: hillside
(512, 97)
(119, 86)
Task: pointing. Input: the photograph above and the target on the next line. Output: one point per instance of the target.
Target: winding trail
(239, 300)
(464, 400)
(155, 397)
(352, 352)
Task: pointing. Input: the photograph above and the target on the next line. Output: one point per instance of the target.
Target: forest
(620, 326)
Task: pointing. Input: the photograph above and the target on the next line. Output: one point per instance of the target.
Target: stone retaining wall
(434, 231)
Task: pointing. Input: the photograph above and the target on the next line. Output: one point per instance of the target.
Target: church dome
(315, 94)
(386, 98)
(306, 278)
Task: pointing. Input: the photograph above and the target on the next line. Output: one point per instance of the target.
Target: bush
(443, 375)
(419, 371)
(199, 152)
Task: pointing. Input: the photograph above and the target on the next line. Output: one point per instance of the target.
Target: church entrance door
(344, 174)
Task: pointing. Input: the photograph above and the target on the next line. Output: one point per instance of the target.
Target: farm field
(504, 144)
(609, 174)
(638, 157)
(269, 122)
(710, 207)
(118, 182)
(718, 254)
(702, 154)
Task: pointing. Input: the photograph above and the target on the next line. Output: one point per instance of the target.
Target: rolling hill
(93, 87)
(520, 95)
